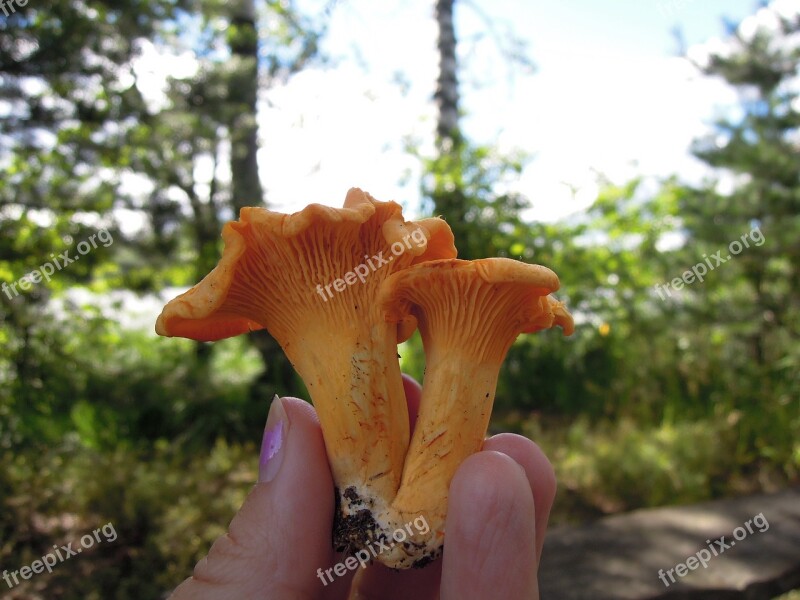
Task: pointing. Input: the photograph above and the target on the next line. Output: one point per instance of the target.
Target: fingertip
(539, 472)
(305, 410)
(490, 542)
(527, 454)
(411, 385)
(492, 487)
(304, 486)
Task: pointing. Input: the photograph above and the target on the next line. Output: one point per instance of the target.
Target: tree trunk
(243, 98)
(246, 190)
(447, 130)
(448, 195)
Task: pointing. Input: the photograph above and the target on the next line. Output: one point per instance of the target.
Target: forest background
(672, 390)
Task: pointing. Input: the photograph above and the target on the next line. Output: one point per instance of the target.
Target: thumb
(282, 533)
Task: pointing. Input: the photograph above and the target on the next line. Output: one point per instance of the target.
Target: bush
(165, 509)
(610, 466)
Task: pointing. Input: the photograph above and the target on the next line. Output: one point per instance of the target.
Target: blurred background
(619, 143)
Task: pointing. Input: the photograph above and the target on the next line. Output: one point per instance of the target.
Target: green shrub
(610, 466)
(165, 509)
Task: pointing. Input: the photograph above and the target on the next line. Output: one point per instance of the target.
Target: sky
(609, 95)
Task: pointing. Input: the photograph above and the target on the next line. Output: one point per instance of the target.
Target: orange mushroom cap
(273, 263)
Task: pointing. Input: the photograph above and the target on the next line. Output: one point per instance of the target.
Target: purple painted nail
(274, 439)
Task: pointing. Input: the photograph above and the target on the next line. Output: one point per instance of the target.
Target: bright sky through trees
(608, 91)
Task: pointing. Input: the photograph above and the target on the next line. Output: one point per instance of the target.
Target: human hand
(280, 540)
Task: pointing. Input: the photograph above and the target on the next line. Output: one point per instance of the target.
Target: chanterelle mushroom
(311, 279)
(469, 313)
(338, 288)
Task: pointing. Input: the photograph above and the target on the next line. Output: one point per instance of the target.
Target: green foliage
(412, 357)
(166, 507)
(625, 465)
(462, 185)
(86, 377)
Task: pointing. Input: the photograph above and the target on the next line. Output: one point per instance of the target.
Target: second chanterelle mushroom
(338, 289)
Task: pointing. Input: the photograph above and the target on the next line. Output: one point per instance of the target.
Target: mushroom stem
(452, 421)
(355, 383)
